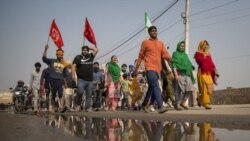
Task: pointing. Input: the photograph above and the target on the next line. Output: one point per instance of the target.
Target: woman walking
(184, 79)
(206, 75)
(112, 83)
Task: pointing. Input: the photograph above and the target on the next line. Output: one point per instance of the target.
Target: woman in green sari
(184, 79)
(113, 84)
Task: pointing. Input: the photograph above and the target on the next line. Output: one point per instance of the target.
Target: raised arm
(44, 58)
(94, 49)
(45, 50)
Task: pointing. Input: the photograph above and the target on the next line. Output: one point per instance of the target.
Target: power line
(197, 13)
(128, 50)
(210, 9)
(165, 29)
(222, 21)
(138, 32)
(234, 57)
(221, 14)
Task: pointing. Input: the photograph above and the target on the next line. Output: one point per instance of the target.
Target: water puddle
(106, 129)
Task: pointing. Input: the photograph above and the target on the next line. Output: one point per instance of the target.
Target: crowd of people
(155, 78)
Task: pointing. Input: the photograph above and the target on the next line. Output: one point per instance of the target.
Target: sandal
(198, 102)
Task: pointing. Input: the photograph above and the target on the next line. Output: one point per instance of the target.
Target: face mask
(59, 58)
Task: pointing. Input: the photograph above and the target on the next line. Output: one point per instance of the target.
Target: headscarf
(207, 51)
(115, 71)
(181, 62)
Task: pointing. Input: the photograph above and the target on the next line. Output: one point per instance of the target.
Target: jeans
(47, 92)
(153, 89)
(97, 98)
(86, 86)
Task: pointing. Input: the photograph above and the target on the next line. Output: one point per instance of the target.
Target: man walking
(35, 84)
(98, 81)
(152, 51)
(57, 77)
(83, 67)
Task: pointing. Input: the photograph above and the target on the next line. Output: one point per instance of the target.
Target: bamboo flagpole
(48, 36)
(83, 41)
(48, 40)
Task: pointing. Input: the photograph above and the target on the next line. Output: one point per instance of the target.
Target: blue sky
(25, 24)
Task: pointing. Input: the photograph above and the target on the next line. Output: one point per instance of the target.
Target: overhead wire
(170, 26)
(210, 9)
(233, 57)
(222, 21)
(222, 14)
(138, 32)
(194, 14)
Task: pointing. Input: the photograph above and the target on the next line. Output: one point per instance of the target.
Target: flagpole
(49, 33)
(48, 40)
(48, 37)
(83, 40)
(84, 31)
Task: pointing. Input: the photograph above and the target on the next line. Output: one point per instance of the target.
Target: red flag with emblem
(88, 33)
(55, 35)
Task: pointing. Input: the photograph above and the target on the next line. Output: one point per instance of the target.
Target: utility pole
(185, 16)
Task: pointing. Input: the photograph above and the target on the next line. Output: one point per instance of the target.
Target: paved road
(27, 127)
(218, 113)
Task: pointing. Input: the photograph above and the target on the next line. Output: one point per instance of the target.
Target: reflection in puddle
(98, 129)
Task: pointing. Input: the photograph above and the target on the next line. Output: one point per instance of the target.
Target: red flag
(56, 35)
(88, 33)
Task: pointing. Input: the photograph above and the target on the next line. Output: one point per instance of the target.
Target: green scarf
(115, 71)
(181, 62)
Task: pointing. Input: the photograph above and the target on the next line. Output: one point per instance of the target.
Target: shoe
(164, 104)
(198, 102)
(208, 108)
(145, 109)
(71, 110)
(78, 108)
(113, 110)
(64, 109)
(106, 108)
(35, 112)
(151, 108)
(88, 110)
(177, 108)
(183, 106)
(170, 105)
(162, 110)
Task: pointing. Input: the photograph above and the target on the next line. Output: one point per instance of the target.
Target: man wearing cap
(35, 84)
(83, 67)
(57, 77)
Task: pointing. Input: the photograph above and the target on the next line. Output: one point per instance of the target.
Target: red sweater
(205, 63)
